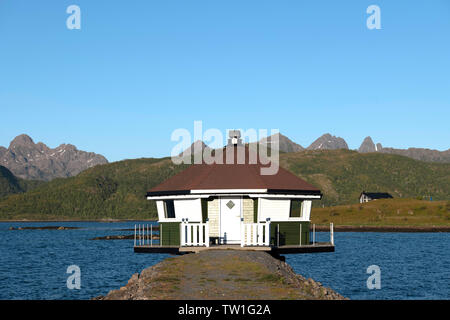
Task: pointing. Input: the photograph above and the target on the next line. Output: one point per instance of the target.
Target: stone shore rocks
(44, 228)
(122, 237)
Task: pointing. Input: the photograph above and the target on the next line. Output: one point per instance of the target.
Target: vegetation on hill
(10, 184)
(117, 190)
(343, 174)
(386, 212)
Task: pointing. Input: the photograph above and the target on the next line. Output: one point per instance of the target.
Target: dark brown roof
(232, 176)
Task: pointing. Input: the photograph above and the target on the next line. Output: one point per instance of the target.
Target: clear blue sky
(137, 70)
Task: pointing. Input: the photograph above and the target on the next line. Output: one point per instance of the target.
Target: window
(296, 209)
(169, 209)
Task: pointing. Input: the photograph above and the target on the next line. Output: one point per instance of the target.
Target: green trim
(255, 210)
(204, 203)
(289, 232)
(170, 233)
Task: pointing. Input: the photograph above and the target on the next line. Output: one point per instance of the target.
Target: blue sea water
(33, 263)
(412, 265)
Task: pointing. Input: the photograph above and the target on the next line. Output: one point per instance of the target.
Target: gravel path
(221, 274)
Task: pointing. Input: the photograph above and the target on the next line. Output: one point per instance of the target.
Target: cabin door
(230, 220)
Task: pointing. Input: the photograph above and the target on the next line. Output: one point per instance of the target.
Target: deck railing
(197, 234)
(332, 233)
(313, 242)
(143, 235)
(194, 234)
(255, 234)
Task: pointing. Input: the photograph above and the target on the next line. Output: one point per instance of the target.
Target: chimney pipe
(234, 137)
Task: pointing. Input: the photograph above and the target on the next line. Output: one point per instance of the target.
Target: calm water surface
(33, 263)
(412, 265)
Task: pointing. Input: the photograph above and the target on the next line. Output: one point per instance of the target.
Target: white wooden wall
(186, 208)
(160, 208)
(278, 210)
(275, 209)
(190, 209)
(306, 210)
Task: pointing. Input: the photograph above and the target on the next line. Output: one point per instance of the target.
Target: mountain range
(415, 153)
(330, 142)
(36, 161)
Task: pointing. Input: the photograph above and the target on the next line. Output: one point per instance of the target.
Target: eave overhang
(252, 193)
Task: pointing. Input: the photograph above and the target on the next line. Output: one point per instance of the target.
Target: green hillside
(117, 190)
(10, 184)
(343, 174)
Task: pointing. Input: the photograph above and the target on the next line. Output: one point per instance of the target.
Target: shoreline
(319, 228)
(78, 220)
(363, 228)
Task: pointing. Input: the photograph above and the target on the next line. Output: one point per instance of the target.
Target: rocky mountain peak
(379, 147)
(284, 143)
(195, 147)
(21, 140)
(28, 160)
(367, 145)
(328, 142)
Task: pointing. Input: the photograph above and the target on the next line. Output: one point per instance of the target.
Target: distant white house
(369, 196)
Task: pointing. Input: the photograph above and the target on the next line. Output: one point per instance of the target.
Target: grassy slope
(343, 174)
(117, 190)
(386, 212)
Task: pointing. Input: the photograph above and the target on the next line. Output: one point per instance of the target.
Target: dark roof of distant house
(233, 176)
(376, 195)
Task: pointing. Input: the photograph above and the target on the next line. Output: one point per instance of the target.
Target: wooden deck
(311, 248)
